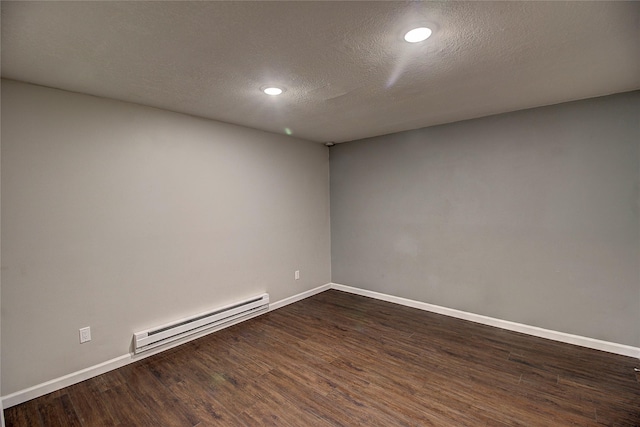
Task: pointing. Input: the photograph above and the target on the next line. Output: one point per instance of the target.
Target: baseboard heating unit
(218, 318)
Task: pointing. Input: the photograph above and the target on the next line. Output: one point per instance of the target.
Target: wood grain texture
(338, 359)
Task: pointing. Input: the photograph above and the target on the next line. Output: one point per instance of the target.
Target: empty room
(320, 213)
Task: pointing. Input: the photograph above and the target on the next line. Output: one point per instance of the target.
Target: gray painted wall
(123, 217)
(530, 216)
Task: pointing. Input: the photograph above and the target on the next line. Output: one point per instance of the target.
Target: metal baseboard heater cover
(155, 337)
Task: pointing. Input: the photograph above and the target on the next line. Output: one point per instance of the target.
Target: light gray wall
(122, 217)
(530, 217)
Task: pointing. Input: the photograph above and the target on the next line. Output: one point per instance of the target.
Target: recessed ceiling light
(417, 35)
(272, 91)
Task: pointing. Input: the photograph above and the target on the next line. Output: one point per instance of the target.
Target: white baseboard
(120, 361)
(298, 297)
(625, 350)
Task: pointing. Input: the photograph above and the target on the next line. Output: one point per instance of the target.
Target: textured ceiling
(348, 73)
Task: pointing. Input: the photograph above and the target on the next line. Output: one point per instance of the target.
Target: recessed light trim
(418, 34)
(273, 90)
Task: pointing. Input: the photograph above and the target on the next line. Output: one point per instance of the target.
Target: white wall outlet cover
(297, 275)
(85, 334)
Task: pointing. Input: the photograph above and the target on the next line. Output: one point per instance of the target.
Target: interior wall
(530, 217)
(122, 217)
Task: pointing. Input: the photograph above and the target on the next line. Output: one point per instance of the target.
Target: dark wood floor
(342, 360)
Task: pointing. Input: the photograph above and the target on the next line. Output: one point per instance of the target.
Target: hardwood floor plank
(194, 394)
(89, 406)
(124, 408)
(68, 414)
(26, 414)
(142, 383)
(274, 409)
(56, 410)
(204, 409)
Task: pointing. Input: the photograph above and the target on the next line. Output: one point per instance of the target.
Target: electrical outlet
(297, 275)
(85, 334)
